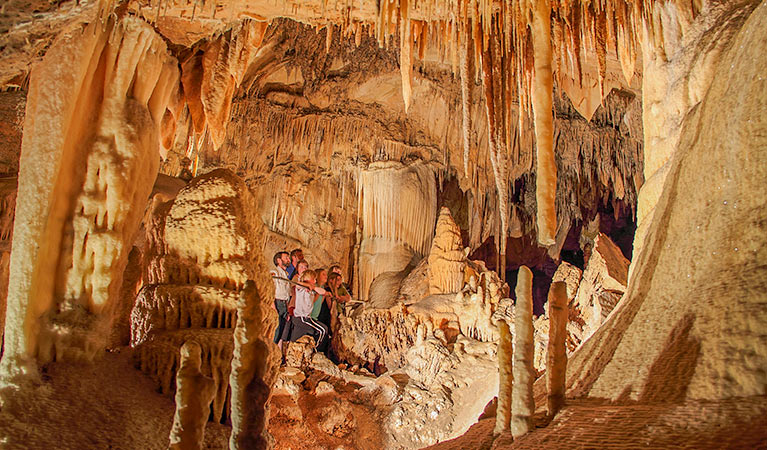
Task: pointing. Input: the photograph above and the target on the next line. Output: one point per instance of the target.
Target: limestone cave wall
(435, 150)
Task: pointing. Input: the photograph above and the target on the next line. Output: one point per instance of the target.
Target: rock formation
(201, 248)
(522, 402)
(554, 133)
(397, 218)
(7, 210)
(505, 379)
(380, 336)
(678, 290)
(446, 258)
(94, 153)
(194, 394)
(556, 355)
(603, 283)
(254, 369)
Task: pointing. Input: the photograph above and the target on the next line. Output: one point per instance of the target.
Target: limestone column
(254, 369)
(556, 357)
(522, 402)
(89, 157)
(194, 394)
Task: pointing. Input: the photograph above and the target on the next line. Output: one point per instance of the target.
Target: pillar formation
(505, 379)
(194, 394)
(522, 402)
(556, 358)
(254, 369)
(89, 157)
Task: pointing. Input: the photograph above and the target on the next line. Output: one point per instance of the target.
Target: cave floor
(107, 404)
(597, 424)
(110, 404)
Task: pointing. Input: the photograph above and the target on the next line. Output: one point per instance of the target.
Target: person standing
(306, 294)
(343, 290)
(281, 292)
(322, 278)
(296, 255)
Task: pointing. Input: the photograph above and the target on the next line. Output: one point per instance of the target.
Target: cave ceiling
(321, 84)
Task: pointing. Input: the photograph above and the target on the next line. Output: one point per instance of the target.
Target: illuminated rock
(446, 258)
(194, 394)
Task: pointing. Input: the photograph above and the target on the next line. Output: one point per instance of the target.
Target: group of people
(306, 300)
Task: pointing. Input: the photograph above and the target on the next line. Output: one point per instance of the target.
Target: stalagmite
(254, 369)
(556, 359)
(194, 394)
(546, 169)
(522, 401)
(446, 259)
(505, 379)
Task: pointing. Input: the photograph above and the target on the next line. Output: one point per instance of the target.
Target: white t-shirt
(304, 302)
(281, 287)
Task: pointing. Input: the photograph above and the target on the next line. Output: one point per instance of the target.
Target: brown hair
(332, 277)
(307, 275)
(277, 257)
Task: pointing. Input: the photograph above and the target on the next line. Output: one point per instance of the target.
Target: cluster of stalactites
(518, 48)
(514, 47)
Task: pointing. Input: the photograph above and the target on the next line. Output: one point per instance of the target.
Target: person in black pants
(281, 292)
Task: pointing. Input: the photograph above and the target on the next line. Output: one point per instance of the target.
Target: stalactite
(405, 55)
(171, 307)
(465, 54)
(396, 204)
(546, 169)
(496, 147)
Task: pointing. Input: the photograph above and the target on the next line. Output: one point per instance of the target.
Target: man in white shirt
(281, 292)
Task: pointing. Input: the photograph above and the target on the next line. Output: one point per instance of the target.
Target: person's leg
(320, 333)
(287, 331)
(322, 346)
(282, 313)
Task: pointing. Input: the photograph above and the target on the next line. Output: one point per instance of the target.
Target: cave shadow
(600, 348)
(673, 369)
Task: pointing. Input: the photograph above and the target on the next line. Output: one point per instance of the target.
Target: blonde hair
(309, 273)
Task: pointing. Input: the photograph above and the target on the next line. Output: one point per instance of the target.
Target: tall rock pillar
(254, 369)
(89, 158)
(522, 402)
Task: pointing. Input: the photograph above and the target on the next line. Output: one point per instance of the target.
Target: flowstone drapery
(90, 153)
